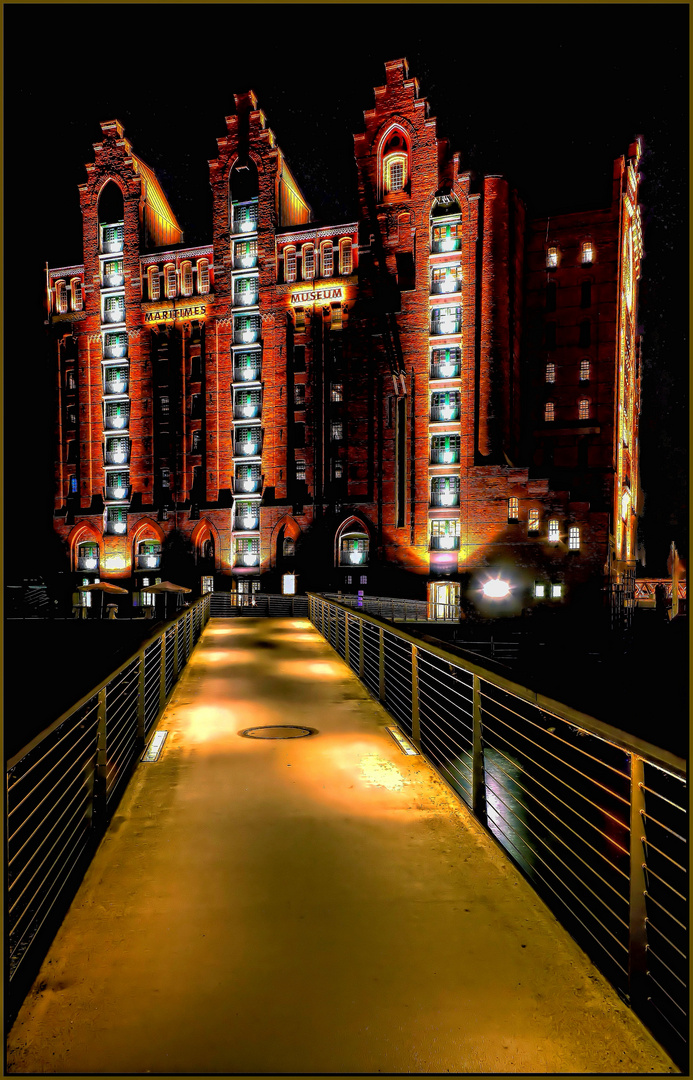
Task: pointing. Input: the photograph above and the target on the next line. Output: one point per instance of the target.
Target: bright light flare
(496, 588)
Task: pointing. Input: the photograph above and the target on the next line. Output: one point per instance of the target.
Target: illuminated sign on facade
(309, 296)
(174, 314)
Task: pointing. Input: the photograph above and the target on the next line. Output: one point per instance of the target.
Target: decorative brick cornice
(65, 271)
(183, 253)
(317, 233)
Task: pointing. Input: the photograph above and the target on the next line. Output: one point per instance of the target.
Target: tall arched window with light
(549, 412)
(186, 278)
(586, 253)
(290, 263)
(60, 297)
(153, 283)
(345, 256)
(170, 279)
(202, 276)
(574, 538)
(584, 409)
(554, 535)
(76, 290)
(326, 258)
(395, 163)
(308, 252)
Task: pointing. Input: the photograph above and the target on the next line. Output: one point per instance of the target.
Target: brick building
(437, 396)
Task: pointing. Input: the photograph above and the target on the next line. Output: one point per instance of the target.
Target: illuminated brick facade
(365, 403)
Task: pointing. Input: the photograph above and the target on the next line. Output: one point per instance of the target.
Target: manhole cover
(277, 731)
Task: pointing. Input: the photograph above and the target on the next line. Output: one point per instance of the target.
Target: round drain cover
(277, 731)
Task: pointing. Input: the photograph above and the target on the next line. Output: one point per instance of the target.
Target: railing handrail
(626, 741)
(11, 762)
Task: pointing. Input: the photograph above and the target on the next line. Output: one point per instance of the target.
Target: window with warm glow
(154, 283)
(337, 470)
(337, 391)
(60, 297)
(186, 278)
(533, 520)
(556, 592)
(552, 257)
(553, 530)
(513, 509)
(76, 290)
(549, 411)
(584, 370)
(300, 469)
(290, 263)
(335, 317)
(308, 262)
(336, 429)
(583, 409)
(395, 173)
(345, 256)
(550, 373)
(539, 590)
(586, 253)
(299, 395)
(202, 276)
(574, 538)
(326, 258)
(170, 278)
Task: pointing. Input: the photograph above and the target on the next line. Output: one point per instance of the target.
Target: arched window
(148, 555)
(203, 276)
(353, 544)
(346, 261)
(584, 409)
(290, 263)
(584, 370)
(288, 547)
(153, 283)
(326, 258)
(60, 296)
(186, 278)
(87, 555)
(395, 163)
(76, 290)
(170, 279)
(549, 411)
(208, 549)
(586, 253)
(308, 262)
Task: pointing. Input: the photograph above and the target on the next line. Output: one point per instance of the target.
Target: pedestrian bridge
(326, 902)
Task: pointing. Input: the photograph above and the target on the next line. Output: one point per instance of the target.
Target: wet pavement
(309, 905)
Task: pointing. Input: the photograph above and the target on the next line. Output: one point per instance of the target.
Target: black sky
(547, 94)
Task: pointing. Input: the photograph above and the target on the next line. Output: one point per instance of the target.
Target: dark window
(406, 270)
(299, 358)
(299, 395)
(299, 434)
(288, 548)
(196, 406)
(551, 296)
(585, 332)
(196, 442)
(550, 335)
(586, 294)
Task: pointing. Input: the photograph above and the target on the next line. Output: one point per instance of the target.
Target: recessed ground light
(277, 731)
(154, 749)
(402, 741)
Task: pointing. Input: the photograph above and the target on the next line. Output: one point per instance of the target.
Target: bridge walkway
(309, 905)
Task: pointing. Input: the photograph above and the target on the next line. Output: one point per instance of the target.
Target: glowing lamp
(119, 455)
(448, 285)
(447, 370)
(356, 557)
(447, 498)
(446, 412)
(248, 373)
(249, 559)
(447, 245)
(249, 448)
(90, 564)
(248, 336)
(117, 350)
(115, 562)
(248, 410)
(288, 584)
(248, 485)
(119, 492)
(118, 527)
(247, 226)
(447, 542)
(246, 298)
(247, 261)
(447, 457)
(153, 561)
(496, 588)
(248, 522)
(117, 421)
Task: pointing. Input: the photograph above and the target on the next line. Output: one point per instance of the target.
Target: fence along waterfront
(63, 787)
(595, 818)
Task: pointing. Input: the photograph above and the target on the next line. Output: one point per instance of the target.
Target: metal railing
(63, 786)
(229, 605)
(396, 609)
(594, 817)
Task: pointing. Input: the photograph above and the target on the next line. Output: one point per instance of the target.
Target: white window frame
(554, 533)
(61, 296)
(308, 262)
(170, 281)
(186, 278)
(153, 283)
(203, 276)
(76, 294)
(326, 259)
(584, 409)
(346, 256)
(574, 538)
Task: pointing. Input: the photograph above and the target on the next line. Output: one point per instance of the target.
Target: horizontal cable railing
(230, 605)
(63, 786)
(398, 610)
(594, 817)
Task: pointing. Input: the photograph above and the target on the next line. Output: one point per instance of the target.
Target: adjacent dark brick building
(437, 394)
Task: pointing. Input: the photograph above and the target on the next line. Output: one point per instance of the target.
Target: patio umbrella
(166, 588)
(102, 587)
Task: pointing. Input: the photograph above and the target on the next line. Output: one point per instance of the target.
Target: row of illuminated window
(336, 317)
(584, 411)
(584, 372)
(552, 292)
(183, 280)
(301, 263)
(584, 334)
(554, 255)
(61, 294)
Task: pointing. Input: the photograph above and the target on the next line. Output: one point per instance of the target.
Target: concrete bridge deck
(314, 905)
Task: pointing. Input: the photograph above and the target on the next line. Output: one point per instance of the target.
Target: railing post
(346, 638)
(140, 700)
(99, 803)
(381, 664)
(162, 673)
(478, 792)
(176, 635)
(637, 934)
(360, 648)
(415, 727)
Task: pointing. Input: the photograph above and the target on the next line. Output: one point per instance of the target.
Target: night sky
(548, 95)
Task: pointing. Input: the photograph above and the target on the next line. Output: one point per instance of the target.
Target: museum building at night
(439, 395)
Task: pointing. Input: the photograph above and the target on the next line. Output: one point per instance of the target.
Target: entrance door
(444, 600)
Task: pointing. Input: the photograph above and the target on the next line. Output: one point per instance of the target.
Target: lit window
(586, 253)
(551, 373)
(625, 505)
(553, 530)
(326, 258)
(308, 262)
(299, 395)
(552, 256)
(337, 392)
(513, 509)
(300, 317)
(556, 591)
(533, 522)
(363, 579)
(170, 278)
(163, 404)
(445, 449)
(447, 237)
(583, 409)
(196, 446)
(337, 430)
(290, 263)
(335, 316)
(337, 470)
(70, 383)
(186, 279)
(345, 256)
(574, 538)
(584, 370)
(445, 533)
(154, 283)
(539, 590)
(549, 411)
(300, 469)
(73, 485)
(60, 297)
(76, 290)
(202, 276)
(395, 173)
(87, 557)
